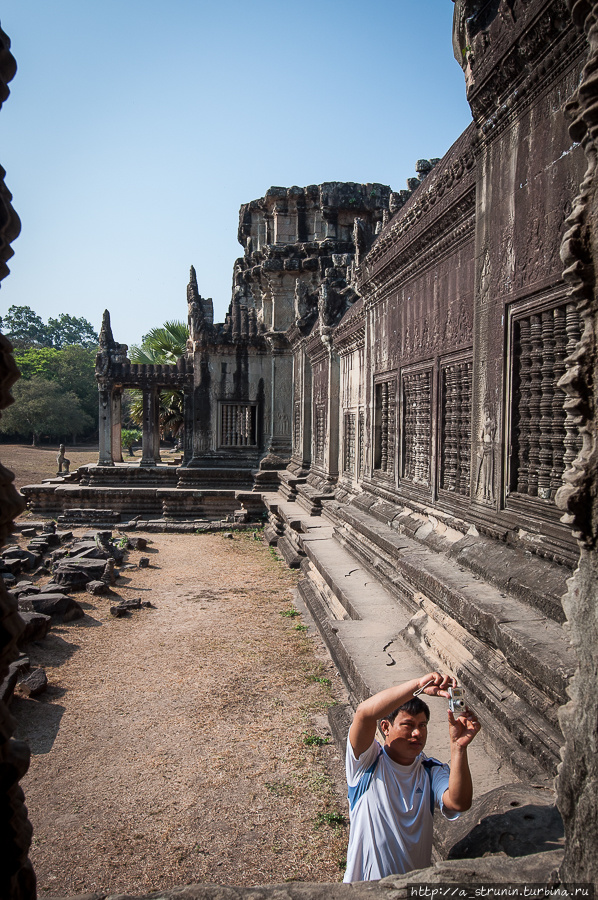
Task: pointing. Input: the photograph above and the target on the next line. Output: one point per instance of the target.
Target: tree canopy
(42, 407)
(72, 368)
(24, 328)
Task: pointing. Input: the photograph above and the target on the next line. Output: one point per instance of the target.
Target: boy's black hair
(414, 706)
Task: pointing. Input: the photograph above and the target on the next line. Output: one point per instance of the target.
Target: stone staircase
(448, 598)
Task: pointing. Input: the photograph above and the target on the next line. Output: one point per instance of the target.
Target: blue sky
(136, 128)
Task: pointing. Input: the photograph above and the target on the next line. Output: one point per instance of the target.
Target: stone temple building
(405, 382)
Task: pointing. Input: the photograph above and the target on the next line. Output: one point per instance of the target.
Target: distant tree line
(24, 329)
(57, 395)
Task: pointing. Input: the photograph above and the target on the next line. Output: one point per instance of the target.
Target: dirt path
(182, 744)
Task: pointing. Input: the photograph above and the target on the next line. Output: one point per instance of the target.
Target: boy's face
(406, 737)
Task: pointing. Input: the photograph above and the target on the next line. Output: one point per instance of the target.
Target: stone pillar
(187, 423)
(105, 425)
(304, 451)
(151, 427)
(280, 445)
(331, 460)
(116, 429)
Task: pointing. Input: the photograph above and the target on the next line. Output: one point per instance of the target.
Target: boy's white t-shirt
(391, 822)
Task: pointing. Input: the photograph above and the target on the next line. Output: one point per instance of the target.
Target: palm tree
(163, 345)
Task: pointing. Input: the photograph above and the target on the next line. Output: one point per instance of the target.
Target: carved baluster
(523, 416)
(384, 427)
(408, 427)
(534, 404)
(416, 428)
(572, 438)
(558, 411)
(425, 428)
(465, 430)
(390, 459)
(361, 463)
(297, 427)
(449, 417)
(546, 399)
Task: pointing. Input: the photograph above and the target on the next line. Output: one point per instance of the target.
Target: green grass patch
(290, 613)
(332, 819)
(314, 740)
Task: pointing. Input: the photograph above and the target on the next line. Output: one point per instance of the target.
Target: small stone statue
(62, 461)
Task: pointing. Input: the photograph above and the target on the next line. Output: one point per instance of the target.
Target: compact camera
(457, 700)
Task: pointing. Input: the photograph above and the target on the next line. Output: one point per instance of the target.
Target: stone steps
(420, 608)
(167, 502)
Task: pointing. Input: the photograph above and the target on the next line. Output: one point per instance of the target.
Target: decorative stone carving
(416, 428)
(349, 445)
(485, 458)
(385, 427)
(456, 427)
(542, 443)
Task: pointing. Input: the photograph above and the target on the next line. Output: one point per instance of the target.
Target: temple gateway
(403, 386)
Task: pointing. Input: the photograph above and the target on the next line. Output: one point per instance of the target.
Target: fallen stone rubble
(87, 563)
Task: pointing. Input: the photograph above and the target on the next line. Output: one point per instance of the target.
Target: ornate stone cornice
(350, 332)
(444, 235)
(452, 176)
(556, 62)
(500, 45)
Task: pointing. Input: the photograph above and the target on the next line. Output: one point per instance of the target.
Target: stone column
(105, 425)
(280, 445)
(187, 424)
(304, 451)
(116, 429)
(151, 429)
(331, 460)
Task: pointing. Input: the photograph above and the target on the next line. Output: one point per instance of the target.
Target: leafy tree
(65, 331)
(73, 368)
(41, 407)
(24, 328)
(159, 346)
(128, 437)
(37, 362)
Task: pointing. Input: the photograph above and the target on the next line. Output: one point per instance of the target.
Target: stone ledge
(498, 869)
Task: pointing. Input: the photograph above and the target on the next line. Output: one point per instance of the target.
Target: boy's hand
(463, 729)
(436, 685)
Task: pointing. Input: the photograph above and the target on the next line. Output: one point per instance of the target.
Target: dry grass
(171, 746)
(31, 464)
